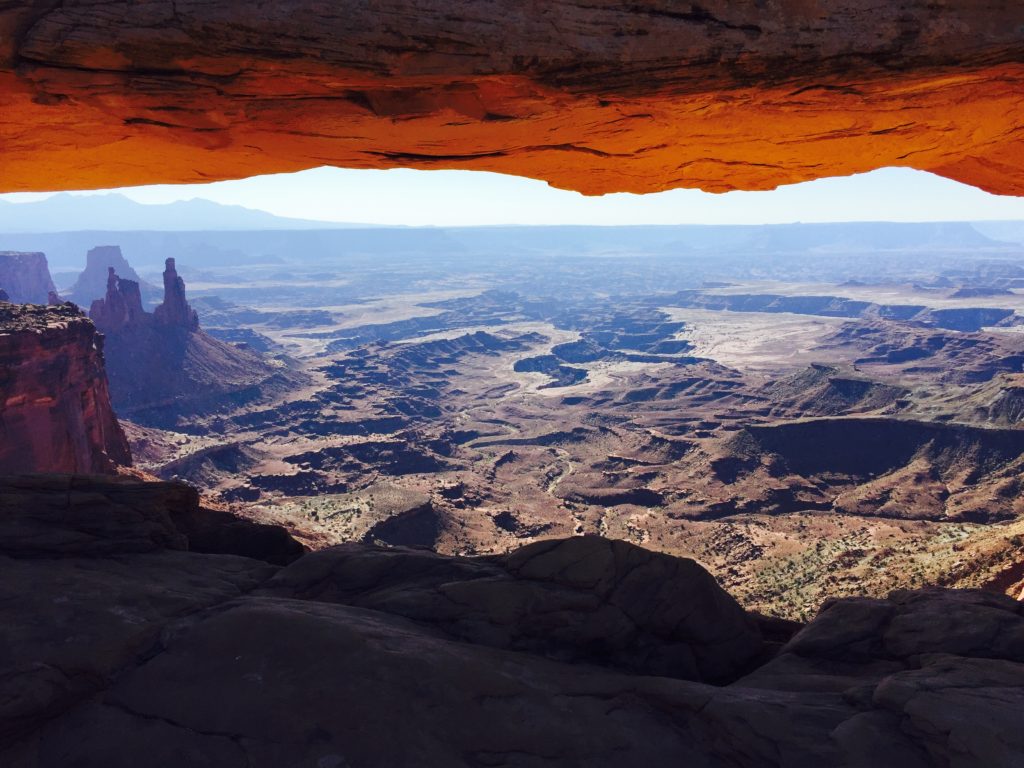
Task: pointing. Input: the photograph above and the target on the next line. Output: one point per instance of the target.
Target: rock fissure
(133, 712)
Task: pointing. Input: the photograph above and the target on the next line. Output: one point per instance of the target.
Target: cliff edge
(55, 411)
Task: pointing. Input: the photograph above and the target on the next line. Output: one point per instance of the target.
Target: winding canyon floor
(802, 440)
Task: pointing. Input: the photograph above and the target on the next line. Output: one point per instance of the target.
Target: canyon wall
(55, 412)
(598, 96)
(25, 277)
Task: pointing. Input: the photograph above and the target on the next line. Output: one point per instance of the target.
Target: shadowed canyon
(280, 492)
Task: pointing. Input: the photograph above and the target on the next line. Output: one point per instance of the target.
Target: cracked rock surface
(132, 649)
(597, 96)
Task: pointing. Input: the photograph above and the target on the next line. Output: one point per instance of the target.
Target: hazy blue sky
(467, 197)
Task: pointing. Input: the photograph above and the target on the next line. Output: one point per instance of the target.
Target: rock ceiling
(592, 95)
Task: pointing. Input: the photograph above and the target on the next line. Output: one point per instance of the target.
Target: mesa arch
(592, 95)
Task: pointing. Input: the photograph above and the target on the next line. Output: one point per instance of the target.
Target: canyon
(723, 496)
(705, 414)
(802, 438)
(767, 514)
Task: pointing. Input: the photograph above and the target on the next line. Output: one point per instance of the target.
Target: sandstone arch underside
(590, 95)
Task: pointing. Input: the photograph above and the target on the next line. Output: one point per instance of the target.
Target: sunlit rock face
(598, 96)
(94, 281)
(55, 413)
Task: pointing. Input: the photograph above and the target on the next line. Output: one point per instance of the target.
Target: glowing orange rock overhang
(595, 96)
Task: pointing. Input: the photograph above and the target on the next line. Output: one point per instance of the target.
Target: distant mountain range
(835, 244)
(1006, 231)
(113, 212)
(203, 233)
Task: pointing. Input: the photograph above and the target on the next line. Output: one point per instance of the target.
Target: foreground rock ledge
(123, 648)
(598, 96)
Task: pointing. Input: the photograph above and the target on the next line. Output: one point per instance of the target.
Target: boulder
(583, 599)
(122, 648)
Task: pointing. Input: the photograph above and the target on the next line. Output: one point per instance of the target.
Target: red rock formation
(92, 282)
(55, 412)
(26, 277)
(161, 365)
(598, 96)
(175, 310)
(120, 308)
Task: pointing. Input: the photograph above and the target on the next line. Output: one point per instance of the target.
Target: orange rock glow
(597, 97)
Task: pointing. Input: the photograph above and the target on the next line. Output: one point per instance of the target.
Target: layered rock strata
(55, 411)
(597, 96)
